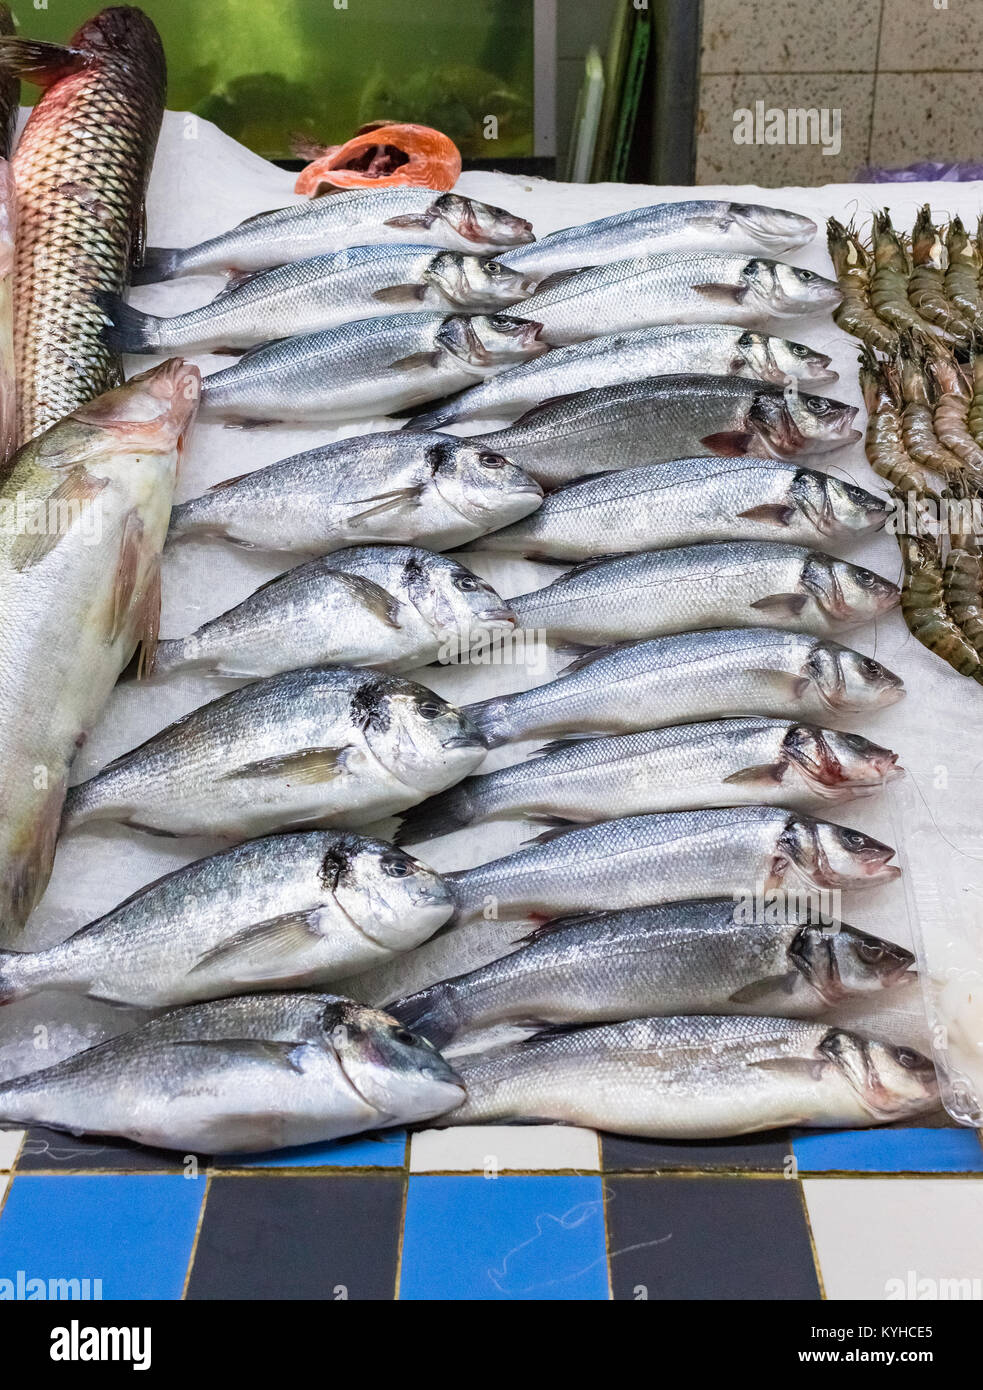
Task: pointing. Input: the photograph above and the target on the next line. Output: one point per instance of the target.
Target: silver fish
(701, 1077)
(308, 296)
(694, 675)
(390, 216)
(638, 861)
(643, 291)
(712, 348)
(720, 763)
(385, 488)
(682, 958)
(726, 584)
(284, 911)
(670, 417)
(367, 368)
(687, 501)
(241, 1075)
(709, 225)
(392, 607)
(318, 747)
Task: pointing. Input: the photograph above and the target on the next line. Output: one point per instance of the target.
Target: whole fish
(317, 747)
(367, 368)
(9, 105)
(714, 349)
(670, 417)
(727, 584)
(702, 1077)
(639, 861)
(687, 501)
(391, 216)
(308, 296)
(390, 607)
(680, 227)
(84, 511)
(682, 958)
(381, 488)
(81, 171)
(720, 763)
(284, 911)
(706, 287)
(241, 1075)
(694, 675)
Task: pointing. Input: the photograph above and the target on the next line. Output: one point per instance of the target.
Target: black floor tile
(754, 1153)
(49, 1150)
(306, 1238)
(708, 1238)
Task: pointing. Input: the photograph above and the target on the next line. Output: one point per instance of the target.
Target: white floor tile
(899, 1238)
(9, 1145)
(504, 1148)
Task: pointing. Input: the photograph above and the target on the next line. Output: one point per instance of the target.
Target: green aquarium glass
(319, 69)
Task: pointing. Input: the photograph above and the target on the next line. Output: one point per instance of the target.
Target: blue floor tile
(386, 1151)
(134, 1233)
(889, 1151)
(504, 1238)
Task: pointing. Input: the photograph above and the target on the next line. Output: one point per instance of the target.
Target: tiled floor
(502, 1214)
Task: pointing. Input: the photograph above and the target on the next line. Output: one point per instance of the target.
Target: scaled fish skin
(390, 216)
(80, 170)
(381, 488)
(698, 1078)
(242, 1075)
(311, 748)
(79, 589)
(9, 105)
(280, 912)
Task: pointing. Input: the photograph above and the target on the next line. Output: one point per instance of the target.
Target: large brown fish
(80, 172)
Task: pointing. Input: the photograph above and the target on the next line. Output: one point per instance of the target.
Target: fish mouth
(474, 740)
(503, 617)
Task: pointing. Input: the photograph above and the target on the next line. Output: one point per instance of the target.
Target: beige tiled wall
(907, 76)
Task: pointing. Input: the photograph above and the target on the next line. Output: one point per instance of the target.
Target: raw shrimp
(926, 284)
(962, 278)
(853, 271)
(889, 282)
(883, 442)
(924, 611)
(951, 413)
(921, 442)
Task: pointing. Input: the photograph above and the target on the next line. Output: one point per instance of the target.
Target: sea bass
(701, 1077)
(670, 417)
(308, 296)
(317, 747)
(720, 763)
(712, 349)
(682, 958)
(367, 368)
(81, 171)
(241, 1075)
(379, 488)
(695, 675)
(287, 910)
(390, 607)
(85, 509)
(390, 216)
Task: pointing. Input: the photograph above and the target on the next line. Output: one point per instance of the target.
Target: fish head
(782, 289)
(481, 224)
(850, 682)
(453, 601)
(890, 1081)
(825, 855)
(842, 961)
(776, 360)
(846, 592)
(774, 229)
(150, 413)
(836, 765)
(390, 897)
(488, 342)
(421, 739)
(402, 1076)
(483, 486)
(835, 508)
(789, 422)
(477, 282)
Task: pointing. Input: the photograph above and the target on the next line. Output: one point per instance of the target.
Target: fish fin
(548, 836)
(234, 1133)
(415, 361)
(723, 294)
(558, 924)
(224, 351)
(793, 686)
(127, 570)
(237, 279)
(400, 294)
(259, 347)
(148, 626)
(138, 245)
(129, 329)
(552, 1030)
(377, 600)
(43, 64)
(588, 657)
(412, 219)
(556, 744)
(789, 604)
(559, 276)
(592, 562)
(540, 408)
(389, 502)
(249, 954)
(308, 766)
(764, 775)
(228, 482)
(761, 990)
(772, 513)
(793, 1067)
(159, 263)
(284, 1054)
(76, 490)
(251, 424)
(28, 871)
(728, 443)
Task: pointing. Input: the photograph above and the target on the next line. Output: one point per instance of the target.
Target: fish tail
(440, 815)
(430, 1014)
(433, 419)
(130, 330)
(171, 656)
(39, 62)
(493, 719)
(159, 263)
(28, 866)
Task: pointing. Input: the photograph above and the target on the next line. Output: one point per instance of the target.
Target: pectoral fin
(770, 513)
(263, 948)
(789, 686)
(415, 362)
(765, 775)
(148, 621)
(793, 1068)
(63, 505)
(729, 443)
(127, 573)
(400, 294)
(309, 766)
(418, 220)
(280, 1054)
(389, 502)
(723, 294)
(39, 62)
(790, 605)
(372, 597)
(765, 989)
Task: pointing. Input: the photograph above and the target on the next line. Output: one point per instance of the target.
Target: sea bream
(698, 1077)
(694, 225)
(381, 488)
(370, 367)
(358, 282)
(282, 911)
(670, 417)
(687, 501)
(393, 216)
(721, 762)
(241, 1075)
(84, 511)
(695, 957)
(323, 746)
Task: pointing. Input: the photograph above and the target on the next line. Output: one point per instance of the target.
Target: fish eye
(806, 275)
(501, 321)
(467, 583)
(854, 839)
(870, 953)
(908, 1058)
(403, 1035)
(493, 268)
(854, 741)
(491, 460)
(867, 579)
(396, 866)
(869, 666)
(746, 340)
(741, 209)
(799, 350)
(818, 405)
(430, 709)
